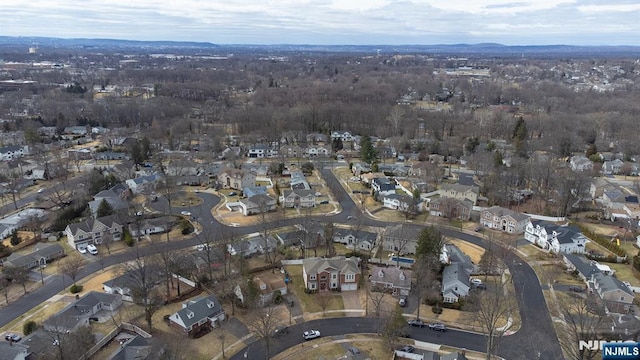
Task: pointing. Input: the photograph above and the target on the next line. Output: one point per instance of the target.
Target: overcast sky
(330, 22)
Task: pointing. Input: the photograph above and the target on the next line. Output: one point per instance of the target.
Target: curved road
(536, 338)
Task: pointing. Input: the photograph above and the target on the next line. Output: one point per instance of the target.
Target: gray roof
(459, 187)
(206, 307)
(400, 278)
(609, 283)
(411, 232)
(11, 351)
(87, 226)
(40, 250)
(75, 312)
(453, 356)
(299, 192)
(582, 265)
(340, 263)
(359, 234)
(10, 148)
(136, 348)
(500, 211)
(458, 256)
(452, 273)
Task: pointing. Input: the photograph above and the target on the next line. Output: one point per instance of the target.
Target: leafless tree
(263, 323)
(426, 270)
(494, 313)
(583, 320)
(71, 265)
(4, 288)
(142, 274)
(167, 262)
(377, 298)
(18, 275)
(394, 325)
(329, 231)
(323, 299)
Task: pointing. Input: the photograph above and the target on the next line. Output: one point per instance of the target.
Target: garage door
(347, 287)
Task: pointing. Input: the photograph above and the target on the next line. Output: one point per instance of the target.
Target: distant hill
(100, 43)
(440, 49)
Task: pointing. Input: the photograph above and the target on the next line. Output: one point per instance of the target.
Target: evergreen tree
(368, 152)
(104, 209)
(520, 135)
(430, 243)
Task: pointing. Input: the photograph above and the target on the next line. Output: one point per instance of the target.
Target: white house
(342, 135)
(92, 231)
(555, 238)
(396, 279)
(581, 163)
(455, 282)
(505, 220)
(12, 152)
(364, 240)
(298, 198)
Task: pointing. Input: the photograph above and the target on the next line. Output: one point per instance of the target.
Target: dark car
(437, 327)
(233, 193)
(280, 331)
(354, 350)
(577, 289)
(408, 348)
(402, 302)
(480, 287)
(416, 322)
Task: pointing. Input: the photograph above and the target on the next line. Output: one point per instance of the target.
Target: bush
(29, 327)
(75, 288)
(454, 306)
(277, 297)
(15, 239)
(128, 239)
(186, 226)
(436, 309)
(431, 301)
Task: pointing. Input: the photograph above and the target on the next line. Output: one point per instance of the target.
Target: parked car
(402, 302)
(476, 281)
(280, 331)
(82, 250)
(354, 350)
(408, 348)
(233, 193)
(202, 247)
(480, 286)
(185, 213)
(311, 334)
(416, 322)
(93, 250)
(40, 190)
(12, 337)
(437, 327)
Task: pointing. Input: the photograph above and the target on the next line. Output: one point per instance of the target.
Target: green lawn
(308, 301)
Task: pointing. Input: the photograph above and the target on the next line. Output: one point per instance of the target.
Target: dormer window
(190, 314)
(210, 304)
(402, 275)
(380, 273)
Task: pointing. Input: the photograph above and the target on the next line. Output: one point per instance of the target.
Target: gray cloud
(331, 21)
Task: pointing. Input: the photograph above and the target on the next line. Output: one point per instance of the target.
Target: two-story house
(261, 151)
(459, 192)
(336, 273)
(451, 208)
(236, 179)
(92, 231)
(555, 238)
(298, 198)
(502, 219)
(257, 204)
(12, 152)
(581, 163)
(383, 186)
(455, 282)
(317, 151)
(401, 238)
(144, 184)
(342, 135)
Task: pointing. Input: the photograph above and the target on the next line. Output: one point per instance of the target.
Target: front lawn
(308, 301)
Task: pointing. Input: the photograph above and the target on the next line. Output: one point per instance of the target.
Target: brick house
(336, 273)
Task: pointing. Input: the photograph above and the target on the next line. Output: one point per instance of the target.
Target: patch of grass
(475, 252)
(624, 272)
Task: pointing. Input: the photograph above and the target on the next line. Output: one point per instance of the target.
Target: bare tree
(18, 275)
(323, 299)
(583, 320)
(494, 314)
(263, 323)
(329, 231)
(71, 265)
(377, 299)
(4, 287)
(167, 262)
(394, 325)
(142, 274)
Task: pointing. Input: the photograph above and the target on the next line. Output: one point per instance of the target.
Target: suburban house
(256, 204)
(612, 291)
(12, 152)
(383, 186)
(360, 168)
(92, 231)
(455, 282)
(555, 238)
(298, 181)
(122, 285)
(267, 288)
(581, 163)
(451, 254)
(393, 279)
(77, 314)
(397, 202)
(117, 197)
(342, 135)
(584, 267)
(261, 151)
(336, 273)
(291, 151)
(459, 192)
(298, 198)
(612, 167)
(110, 155)
(250, 191)
(15, 351)
(253, 245)
(401, 238)
(198, 314)
(236, 179)
(41, 255)
(144, 184)
(150, 226)
(365, 240)
(317, 151)
(505, 220)
(451, 208)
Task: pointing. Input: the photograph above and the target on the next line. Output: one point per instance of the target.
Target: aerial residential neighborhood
(204, 202)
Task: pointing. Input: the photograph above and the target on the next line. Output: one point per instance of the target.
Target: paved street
(536, 334)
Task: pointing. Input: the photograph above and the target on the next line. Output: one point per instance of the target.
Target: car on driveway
(233, 193)
(408, 348)
(185, 213)
(437, 327)
(354, 350)
(12, 337)
(82, 250)
(416, 322)
(402, 302)
(92, 249)
(311, 334)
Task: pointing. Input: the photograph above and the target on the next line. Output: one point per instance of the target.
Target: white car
(40, 190)
(476, 281)
(311, 334)
(93, 250)
(185, 213)
(202, 247)
(82, 250)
